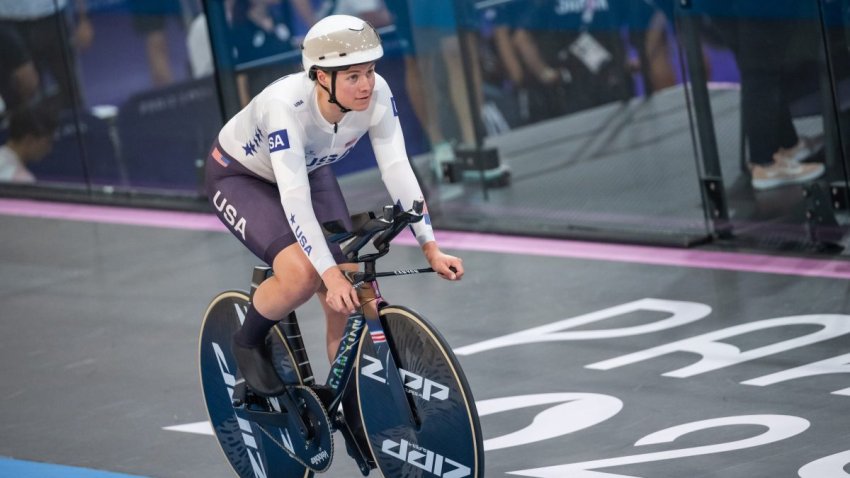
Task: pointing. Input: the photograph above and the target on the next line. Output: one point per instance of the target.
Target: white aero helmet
(338, 41)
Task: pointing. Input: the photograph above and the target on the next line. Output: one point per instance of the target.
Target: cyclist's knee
(294, 272)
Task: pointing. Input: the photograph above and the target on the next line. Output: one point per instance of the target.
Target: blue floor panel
(10, 468)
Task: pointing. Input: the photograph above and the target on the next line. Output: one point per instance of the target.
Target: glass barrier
(765, 92)
(120, 92)
(655, 121)
(835, 16)
(580, 125)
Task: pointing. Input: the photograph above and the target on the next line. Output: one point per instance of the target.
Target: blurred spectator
(400, 17)
(440, 28)
(775, 46)
(502, 71)
(261, 29)
(30, 139)
(648, 21)
(41, 26)
(198, 48)
(149, 20)
(576, 55)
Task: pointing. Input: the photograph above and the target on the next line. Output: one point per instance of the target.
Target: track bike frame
(408, 393)
(342, 367)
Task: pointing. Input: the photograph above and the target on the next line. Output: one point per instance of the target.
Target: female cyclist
(268, 178)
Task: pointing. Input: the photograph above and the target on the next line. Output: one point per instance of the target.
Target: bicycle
(397, 394)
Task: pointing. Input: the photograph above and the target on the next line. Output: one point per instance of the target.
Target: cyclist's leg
(329, 205)
(294, 282)
(334, 321)
(334, 325)
(250, 207)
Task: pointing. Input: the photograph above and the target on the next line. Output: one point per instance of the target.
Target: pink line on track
(732, 261)
(112, 215)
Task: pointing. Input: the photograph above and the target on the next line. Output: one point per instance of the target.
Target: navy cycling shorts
(249, 205)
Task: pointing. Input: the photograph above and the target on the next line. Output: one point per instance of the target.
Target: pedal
(245, 398)
(240, 394)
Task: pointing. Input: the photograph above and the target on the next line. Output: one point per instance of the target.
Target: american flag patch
(220, 159)
(378, 337)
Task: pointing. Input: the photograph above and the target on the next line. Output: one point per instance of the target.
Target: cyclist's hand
(341, 296)
(447, 266)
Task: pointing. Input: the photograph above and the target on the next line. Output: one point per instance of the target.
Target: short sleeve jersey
(281, 136)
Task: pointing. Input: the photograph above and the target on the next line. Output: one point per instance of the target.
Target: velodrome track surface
(586, 360)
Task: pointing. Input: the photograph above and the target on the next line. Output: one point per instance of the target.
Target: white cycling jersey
(281, 136)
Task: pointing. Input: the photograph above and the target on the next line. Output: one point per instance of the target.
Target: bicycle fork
(389, 359)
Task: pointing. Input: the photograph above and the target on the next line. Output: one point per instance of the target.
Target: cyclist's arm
(286, 149)
(397, 174)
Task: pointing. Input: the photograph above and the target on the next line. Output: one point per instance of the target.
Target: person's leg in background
(56, 58)
(458, 91)
(156, 47)
(428, 89)
(149, 22)
(19, 80)
(766, 114)
(771, 133)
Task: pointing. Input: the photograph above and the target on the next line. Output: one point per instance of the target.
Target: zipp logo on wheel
(418, 385)
(244, 425)
(427, 460)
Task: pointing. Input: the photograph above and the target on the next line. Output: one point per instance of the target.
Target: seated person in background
(150, 18)
(30, 139)
(261, 29)
(575, 53)
(52, 36)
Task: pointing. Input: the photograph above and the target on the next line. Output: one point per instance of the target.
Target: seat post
(260, 274)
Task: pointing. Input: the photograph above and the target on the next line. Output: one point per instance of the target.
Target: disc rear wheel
(248, 449)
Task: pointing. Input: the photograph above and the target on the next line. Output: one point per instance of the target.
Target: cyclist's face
(354, 86)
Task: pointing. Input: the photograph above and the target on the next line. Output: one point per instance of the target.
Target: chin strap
(332, 93)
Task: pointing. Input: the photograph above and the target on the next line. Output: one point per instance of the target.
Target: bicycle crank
(315, 451)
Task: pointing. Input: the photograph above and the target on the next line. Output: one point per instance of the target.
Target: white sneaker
(442, 153)
(784, 171)
(804, 149)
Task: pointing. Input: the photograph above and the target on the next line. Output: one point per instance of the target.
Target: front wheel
(447, 440)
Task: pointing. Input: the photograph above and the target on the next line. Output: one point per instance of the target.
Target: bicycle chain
(295, 456)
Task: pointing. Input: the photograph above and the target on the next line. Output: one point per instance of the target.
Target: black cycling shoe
(256, 366)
